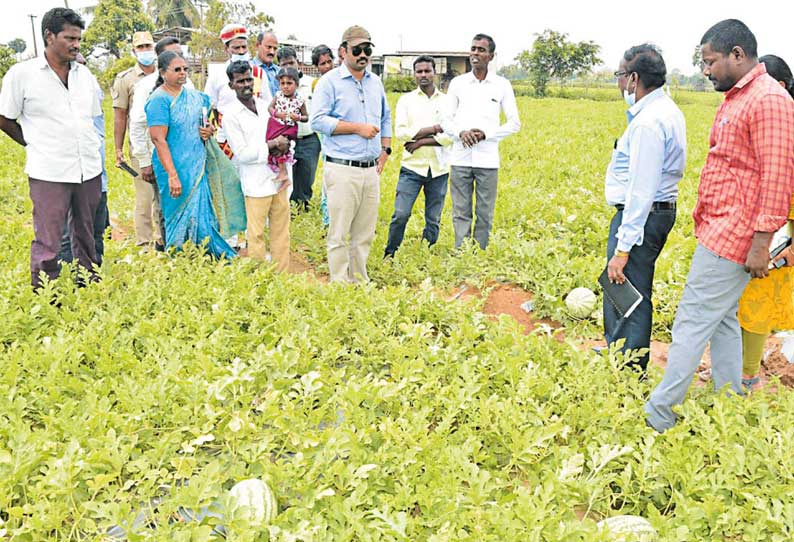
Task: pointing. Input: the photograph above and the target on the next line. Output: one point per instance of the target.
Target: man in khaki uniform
(122, 93)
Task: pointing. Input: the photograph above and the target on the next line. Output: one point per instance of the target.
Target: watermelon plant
(378, 412)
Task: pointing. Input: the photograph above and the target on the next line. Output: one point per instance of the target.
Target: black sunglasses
(358, 49)
(181, 69)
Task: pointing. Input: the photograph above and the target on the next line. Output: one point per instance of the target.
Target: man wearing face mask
(642, 184)
(122, 93)
(235, 39)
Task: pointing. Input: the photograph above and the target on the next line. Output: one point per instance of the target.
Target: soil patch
(507, 299)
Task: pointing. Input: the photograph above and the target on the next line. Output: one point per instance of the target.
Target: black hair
(425, 58)
(491, 42)
(55, 19)
(261, 36)
(286, 52)
(779, 70)
(319, 51)
(238, 66)
(646, 60)
(292, 73)
(165, 42)
(730, 33)
(164, 60)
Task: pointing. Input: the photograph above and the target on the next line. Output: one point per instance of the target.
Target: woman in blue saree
(175, 115)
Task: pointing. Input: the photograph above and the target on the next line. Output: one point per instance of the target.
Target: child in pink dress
(286, 110)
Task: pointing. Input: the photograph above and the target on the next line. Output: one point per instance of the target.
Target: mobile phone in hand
(125, 166)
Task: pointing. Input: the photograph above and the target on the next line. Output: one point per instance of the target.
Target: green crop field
(381, 412)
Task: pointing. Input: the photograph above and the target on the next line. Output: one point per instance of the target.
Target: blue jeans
(101, 223)
(408, 187)
(636, 330)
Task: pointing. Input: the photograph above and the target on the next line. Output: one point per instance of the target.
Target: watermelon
(581, 302)
(629, 529)
(255, 500)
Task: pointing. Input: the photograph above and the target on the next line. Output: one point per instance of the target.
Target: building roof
(430, 53)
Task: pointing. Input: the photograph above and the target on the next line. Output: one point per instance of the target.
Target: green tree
(18, 45)
(554, 57)
(170, 13)
(7, 59)
(114, 23)
(205, 43)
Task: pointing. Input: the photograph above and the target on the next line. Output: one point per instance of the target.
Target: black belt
(657, 206)
(351, 163)
(307, 135)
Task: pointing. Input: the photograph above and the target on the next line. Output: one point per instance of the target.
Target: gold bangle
(621, 254)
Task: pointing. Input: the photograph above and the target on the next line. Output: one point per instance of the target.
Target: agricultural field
(384, 412)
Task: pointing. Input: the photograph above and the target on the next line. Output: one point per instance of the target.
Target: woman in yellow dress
(768, 304)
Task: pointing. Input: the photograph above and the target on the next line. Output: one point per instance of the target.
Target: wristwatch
(387, 150)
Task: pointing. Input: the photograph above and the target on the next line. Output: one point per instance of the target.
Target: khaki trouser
(353, 198)
(276, 209)
(145, 206)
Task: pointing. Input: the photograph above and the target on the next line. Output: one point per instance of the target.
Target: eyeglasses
(620, 73)
(180, 69)
(358, 49)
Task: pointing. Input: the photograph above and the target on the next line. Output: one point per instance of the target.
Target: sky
(676, 26)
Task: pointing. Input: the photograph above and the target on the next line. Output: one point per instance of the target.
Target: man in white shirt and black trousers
(48, 105)
(476, 100)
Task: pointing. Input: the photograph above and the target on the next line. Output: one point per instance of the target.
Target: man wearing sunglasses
(350, 110)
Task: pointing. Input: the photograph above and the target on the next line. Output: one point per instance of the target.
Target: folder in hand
(624, 297)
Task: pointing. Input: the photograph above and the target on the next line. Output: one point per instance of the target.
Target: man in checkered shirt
(743, 198)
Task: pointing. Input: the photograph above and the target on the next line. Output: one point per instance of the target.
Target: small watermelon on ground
(581, 302)
(255, 500)
(629, 529)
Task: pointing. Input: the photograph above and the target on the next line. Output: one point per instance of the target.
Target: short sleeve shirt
(124, 86)
(57, 120)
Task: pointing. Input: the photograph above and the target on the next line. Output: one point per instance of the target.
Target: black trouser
(639, 270)
(307, 154)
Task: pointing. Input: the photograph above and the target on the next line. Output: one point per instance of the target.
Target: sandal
(749, 383)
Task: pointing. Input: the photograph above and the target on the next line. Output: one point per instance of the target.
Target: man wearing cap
(350, 109)
(266, 50)
(122, 93)
(235, 40)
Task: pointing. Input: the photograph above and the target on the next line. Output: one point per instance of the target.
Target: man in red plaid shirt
(744, 197)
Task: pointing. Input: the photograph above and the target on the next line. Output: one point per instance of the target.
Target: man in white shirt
(476, 100)
(425, 158)
(141, 145)
(48, 105)
(235, 40)
(307, 147)
(245, 121)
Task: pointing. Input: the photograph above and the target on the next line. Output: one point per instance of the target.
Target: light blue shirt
(647, 163)
(339, 96)
(99, 127)
(271, 71)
